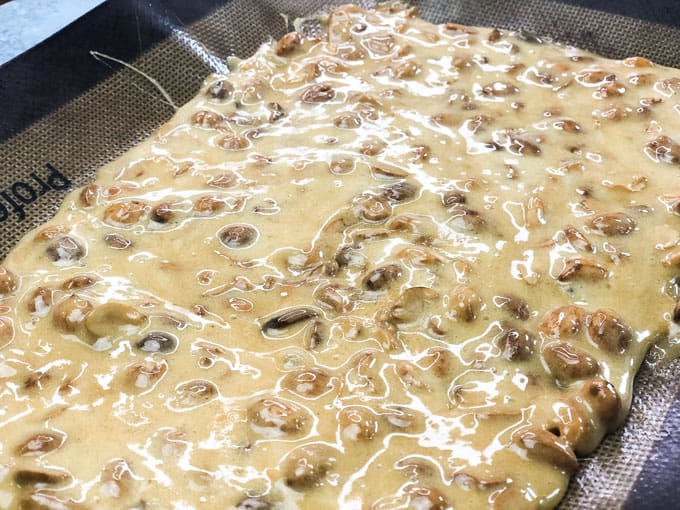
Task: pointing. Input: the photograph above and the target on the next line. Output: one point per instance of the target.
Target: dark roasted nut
(637, 62)
(514, 305)
(604, 400)
(495, 35)
(665, 150)
(238, 236)
(163, 213)
(80, 281)
(511, 498)
(372, 146)
(534, 215)
(582, 269)
(372, 208)
(612, 224)
(278, 414)
(529, 37)
(672, 288)
(341, 166)
(413, 304)
(383, 173)
(65, 249)
(564, 322)
(6, 331)
(467, 219)
(307, 466)
(568, 125)
(577, 239)
(277, 112)
(125, 213)
(40, 301)
(29, 477)
(427, 497)
(344, 256)
(220, 90)
(573, 423)
(567, 363)
(158, 342)
(36, 379)
(521, 146)
(675, 316)
(207, 119)
(609, 332)
(672, 257)
(289, 318)
(516, 344)
(593, 77)
(440, 361)
(141, 377)
(420, 153)
(399, 192)
(380, 44)
(543, 446)
(195, 393)
(308, 383)
(415, 466)
(381, 277)
(347, 121)
(88, 195)
(117, 241)
(288, 43)
(316, 335)
(118, 477)
(453, 198)
(403, 418)
(8, 282)
(465, 303)
(411, 375)
(499, 89)
(223, 181)
(406, 70)
(50, 232)
(318, 93)
(208, 205)
(232, 142)
(358, 423)
(70, 313)
(331, 297)
(41, 443)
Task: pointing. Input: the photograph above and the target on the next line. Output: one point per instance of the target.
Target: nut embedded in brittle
(8, 282)
(612, 224)
(568, 363)
(309, 383)
(358, 423)
(307, 466)
(277, 414)
(65, 250)
(288, 43)
(583, 269)
(546, 447)
(70, 313)
(609, 332)
(319, 93)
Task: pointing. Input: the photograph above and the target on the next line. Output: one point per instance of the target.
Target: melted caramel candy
(402, 265)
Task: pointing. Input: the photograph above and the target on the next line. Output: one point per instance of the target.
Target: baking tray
(83, 97)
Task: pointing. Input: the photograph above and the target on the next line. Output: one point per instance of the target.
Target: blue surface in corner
(25, 23)
(658, 484)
